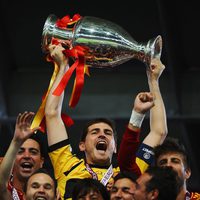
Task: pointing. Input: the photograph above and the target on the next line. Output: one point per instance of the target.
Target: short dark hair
(43, 171)
(86, 185)
(38, 138)
(110, 122)
(165, 180)
(126, 174)
(172, 145)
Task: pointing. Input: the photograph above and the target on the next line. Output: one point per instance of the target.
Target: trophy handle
(155, 45)
(50, 30)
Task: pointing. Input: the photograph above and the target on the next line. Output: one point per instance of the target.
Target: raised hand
(22, 127)
(144, 101)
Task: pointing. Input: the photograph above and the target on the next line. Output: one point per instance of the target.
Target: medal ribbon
(106, 176)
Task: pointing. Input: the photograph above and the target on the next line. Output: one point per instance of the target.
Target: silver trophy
(105, 43)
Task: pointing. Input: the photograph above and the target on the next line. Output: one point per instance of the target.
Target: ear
(82, 146)
(115, 149)
(153, 194)
(58, 195)
(41, 162)
(187, 173)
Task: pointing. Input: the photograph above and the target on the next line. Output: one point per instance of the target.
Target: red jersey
(16, 194)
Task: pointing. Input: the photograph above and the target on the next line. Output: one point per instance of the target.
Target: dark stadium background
(25, 74)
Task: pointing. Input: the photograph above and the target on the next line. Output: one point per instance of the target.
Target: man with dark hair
(99, 120)
(157, 183)
(89, 189)
(98, 140)
(22, 158)
(40, 185)
(124, 186)
(173, 153)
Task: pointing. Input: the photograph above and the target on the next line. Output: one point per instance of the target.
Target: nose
(26, 154)
(118, 194)
(102, 134)
(168, 164)
(41, 189)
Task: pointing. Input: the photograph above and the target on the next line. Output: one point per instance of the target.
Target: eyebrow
(32, 148)
(97, 129)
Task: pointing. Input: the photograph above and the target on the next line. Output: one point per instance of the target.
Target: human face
(28, 160)
(99, 144)
(122, 189)
(140, 192)
(176, 161)
(92, 195)
(40, 186)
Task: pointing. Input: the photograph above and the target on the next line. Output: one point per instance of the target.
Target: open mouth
(26, 165)
(40, 198)
(101, 145)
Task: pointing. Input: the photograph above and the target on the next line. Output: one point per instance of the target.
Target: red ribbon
(77, 53)
(79, 64)
(66, 20)
(66, 119)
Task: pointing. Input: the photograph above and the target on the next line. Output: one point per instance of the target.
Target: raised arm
(56, 130)
(22, 132)
(130, 140)
(158, 122)
(158, 125)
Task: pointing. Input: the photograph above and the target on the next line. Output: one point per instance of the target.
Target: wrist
(136, 119)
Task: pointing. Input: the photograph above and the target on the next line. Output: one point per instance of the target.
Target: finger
(29, 117)
(51, 47)
(149, 96)
(143, 97)
(23, 116)
(18, 118)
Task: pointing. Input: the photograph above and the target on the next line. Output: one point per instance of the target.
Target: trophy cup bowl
(105, 43)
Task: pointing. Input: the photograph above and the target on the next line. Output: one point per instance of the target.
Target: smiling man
(40, 186)
(22, 159)
(28, 160)
(124, 186)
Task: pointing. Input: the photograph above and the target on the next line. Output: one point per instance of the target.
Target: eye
(162, 162)
(35, 185)
(176, 160)
(113, 190)
(108, 132)
(94, 197)
(48, 186)
(93, 132)
(34, 151)
(20, 151)
(125, 190)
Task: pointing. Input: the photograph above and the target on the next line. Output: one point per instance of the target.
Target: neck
(182, 193)
(18, 184)
(100, 163)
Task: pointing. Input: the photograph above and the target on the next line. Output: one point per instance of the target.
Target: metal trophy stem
(106, 44)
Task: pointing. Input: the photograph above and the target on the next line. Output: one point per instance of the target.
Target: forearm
(158, 122)
(6, 168)
(128, 148)
(53, 105)
(53, 108)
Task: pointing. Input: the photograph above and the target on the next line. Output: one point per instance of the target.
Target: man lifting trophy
(91, 42)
